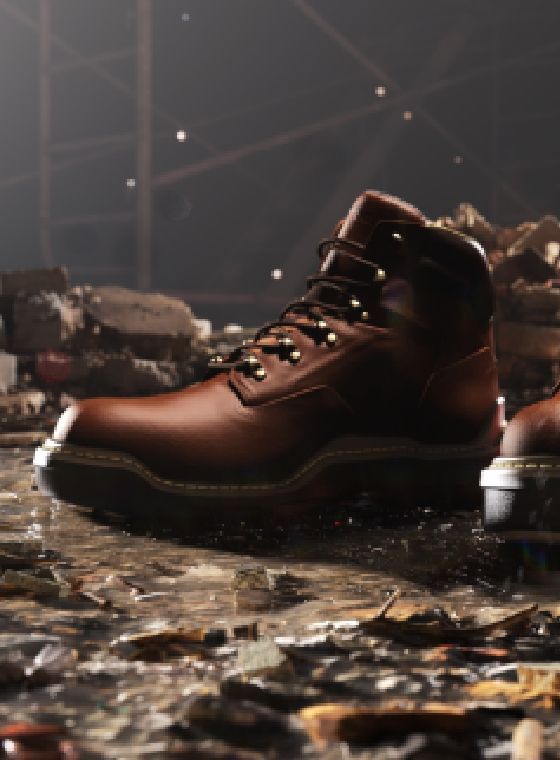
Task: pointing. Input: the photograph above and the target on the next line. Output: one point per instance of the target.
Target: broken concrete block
(469, 220)
(507, 236)
(533, 304)
(8, 371)
(22, 404)
(127, 375)
(544, 237)
(154, 326)
(43, 321)
(533, 341)
(262, 657)
(33, 281)
(528, 265)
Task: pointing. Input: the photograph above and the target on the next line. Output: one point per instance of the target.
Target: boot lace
(313, 313)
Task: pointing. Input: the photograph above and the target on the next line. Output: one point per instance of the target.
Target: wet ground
(211, 646)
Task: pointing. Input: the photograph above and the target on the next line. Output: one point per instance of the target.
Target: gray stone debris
(129, 375)
(8, 371)
(22, 404)
(43, 321)
(84, 341)
(154, 326)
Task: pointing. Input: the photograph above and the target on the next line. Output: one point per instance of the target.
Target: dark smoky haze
(267, 118)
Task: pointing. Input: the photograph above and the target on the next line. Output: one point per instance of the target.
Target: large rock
(528, 266)
(526, 340)
(544, 237)
(154, 326)
(128, 376)
(469, 220)
(42, 322)
(22, 404)
(8, 371)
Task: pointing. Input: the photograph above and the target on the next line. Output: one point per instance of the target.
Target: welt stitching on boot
(380, 378)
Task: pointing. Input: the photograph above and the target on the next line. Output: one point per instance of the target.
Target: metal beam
(108, 57)
(45, 243)
(369, 65)
(111, 218)
(85, 143)
(276, 141)
(144, 143)
(285, 138)
(122, 141)
(19, 15)
(369, 161)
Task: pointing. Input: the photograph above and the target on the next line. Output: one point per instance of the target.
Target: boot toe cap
(82, 423)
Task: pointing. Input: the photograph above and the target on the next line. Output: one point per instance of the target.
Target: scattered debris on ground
(116, 644)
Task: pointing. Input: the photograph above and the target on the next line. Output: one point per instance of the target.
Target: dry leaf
(539, 683)
(161, 645)
(328, 723)
(441, 630)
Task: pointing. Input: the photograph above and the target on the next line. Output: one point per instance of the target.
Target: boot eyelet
(295, 356)
(259, 374)
(217, 359)
(355, 304)
(380, 275)
(251, 360)
(365, 316)
(286, 342)
(321, 324)
(330, 339)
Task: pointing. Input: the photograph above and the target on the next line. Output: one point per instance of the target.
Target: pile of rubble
(525, 263)
(60, 342)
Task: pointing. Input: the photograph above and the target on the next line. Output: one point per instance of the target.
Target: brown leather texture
(419, 366)
(534, 431)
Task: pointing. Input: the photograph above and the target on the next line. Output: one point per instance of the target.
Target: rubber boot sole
(522, 498)
(401, 472)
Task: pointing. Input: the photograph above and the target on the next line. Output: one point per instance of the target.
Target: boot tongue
(369, 209)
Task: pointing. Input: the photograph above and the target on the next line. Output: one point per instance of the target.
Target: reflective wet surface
(267, 623)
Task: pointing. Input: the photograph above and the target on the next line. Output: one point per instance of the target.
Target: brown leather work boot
(381, 378)
(522, 485)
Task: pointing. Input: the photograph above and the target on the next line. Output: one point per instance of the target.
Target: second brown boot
(380, 378)
(522, 485)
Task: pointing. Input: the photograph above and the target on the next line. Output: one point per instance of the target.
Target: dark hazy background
(278, 98)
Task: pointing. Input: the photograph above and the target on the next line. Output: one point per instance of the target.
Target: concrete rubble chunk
(262, 657)
(43, 321)
(129, 375)
(31, 281)
(510, 235)
(528, 265)
(544, 237)
(22, 404)
(8, 371)
(470, 221)
(155, 326)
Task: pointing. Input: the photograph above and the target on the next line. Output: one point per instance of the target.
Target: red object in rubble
(28, 741)
(53, 366)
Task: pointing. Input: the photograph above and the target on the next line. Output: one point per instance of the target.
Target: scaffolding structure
(55, 156)
(143, 97)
